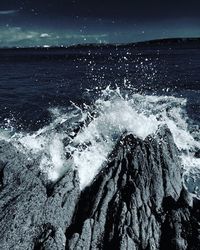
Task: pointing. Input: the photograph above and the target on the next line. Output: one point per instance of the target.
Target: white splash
(112, 114)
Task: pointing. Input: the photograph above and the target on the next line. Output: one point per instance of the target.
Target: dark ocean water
(46, 93)
(33, 80)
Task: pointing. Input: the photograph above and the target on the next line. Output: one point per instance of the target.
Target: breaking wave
(83, 137)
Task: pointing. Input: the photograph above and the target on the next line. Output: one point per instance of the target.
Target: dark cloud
(77, 21)
(130, 9)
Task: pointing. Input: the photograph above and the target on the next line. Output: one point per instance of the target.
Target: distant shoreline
(155, 42)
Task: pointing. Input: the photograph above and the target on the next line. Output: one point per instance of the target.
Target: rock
(138, 201)
(29, 216)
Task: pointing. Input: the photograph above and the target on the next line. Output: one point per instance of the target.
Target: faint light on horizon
(8, 12)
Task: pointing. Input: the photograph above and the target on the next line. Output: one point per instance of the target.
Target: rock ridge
(137, 201)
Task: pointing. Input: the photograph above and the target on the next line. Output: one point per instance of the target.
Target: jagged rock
(31, 217)
(137, 201)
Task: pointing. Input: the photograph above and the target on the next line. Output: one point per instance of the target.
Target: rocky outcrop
(137, 201)
(33, 214)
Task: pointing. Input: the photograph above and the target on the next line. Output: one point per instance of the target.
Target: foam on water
(113, 113)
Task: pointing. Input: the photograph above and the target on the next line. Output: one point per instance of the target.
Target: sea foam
(113, 113)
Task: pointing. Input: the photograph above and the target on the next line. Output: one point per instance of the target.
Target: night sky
(59, 22)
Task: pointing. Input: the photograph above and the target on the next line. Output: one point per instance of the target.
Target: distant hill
(94, 50)
(157, 42)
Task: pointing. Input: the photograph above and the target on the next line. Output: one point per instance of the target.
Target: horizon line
(45, 46)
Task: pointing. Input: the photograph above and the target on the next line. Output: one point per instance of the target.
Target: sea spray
(61, 145)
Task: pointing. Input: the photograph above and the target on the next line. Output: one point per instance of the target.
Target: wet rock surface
(32, 215)
(137, 201)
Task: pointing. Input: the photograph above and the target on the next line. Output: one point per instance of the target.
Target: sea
(69, 106)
